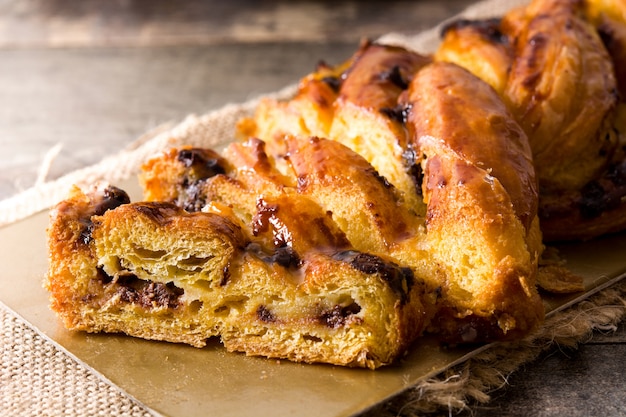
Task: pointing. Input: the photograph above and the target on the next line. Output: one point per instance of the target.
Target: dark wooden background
(81, 80)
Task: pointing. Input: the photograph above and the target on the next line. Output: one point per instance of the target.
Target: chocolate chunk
(333, 82)
(108, 199)
(617, 173)
(86, 231)
(284, 256)
(204, 162)
(592, 202)
(200, 165)
(399, 279)
(225, 275)
(265, 315)
(192, 197)
(148, 294)
(338, 315)
(158, 211)
(394, 76)
(605, 193)
(414, 168)
(111, 198)
(399, 113)
(102, 276)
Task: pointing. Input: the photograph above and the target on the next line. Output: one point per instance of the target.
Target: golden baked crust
(565, 64)
(477, 245)
(479, 185)
(597, 10)
(562, 90)
(361, 112)
(480, 46)
(155, 271)
(556, 78)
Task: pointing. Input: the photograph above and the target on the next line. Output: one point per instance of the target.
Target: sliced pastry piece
(368, 120)
(418, 210)
(482, 231)
(362, 202)
(562, 90)
(290, 287)
(359, 109)
(477, 250)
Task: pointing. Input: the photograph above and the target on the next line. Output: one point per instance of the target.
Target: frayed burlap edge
(475, 380)
(39, 379)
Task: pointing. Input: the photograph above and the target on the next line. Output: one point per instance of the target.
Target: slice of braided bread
(292, 287)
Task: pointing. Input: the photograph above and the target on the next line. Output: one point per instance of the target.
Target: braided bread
(554, 63)
(394, 195)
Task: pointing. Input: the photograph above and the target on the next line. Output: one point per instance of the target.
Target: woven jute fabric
(40, 379)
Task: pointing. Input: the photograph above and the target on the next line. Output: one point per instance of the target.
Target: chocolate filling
(414, 168)
(400, 113)
(265, 315)
(192, 197)
(604, 194)
(111, 197)
(394, 76)
(333, 82)
(203, 163)
(200, 165)
(284, 256)
(339, 315)
(399, 279)
(148, 294)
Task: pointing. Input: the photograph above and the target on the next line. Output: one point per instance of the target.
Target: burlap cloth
(38, 379)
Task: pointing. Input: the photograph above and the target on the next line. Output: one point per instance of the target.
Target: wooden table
(82, 80)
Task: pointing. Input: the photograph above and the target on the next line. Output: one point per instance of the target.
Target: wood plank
(581, 383)
(59, 23)
(95, 101)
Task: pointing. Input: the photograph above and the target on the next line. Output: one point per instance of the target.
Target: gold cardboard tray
(178, 380)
